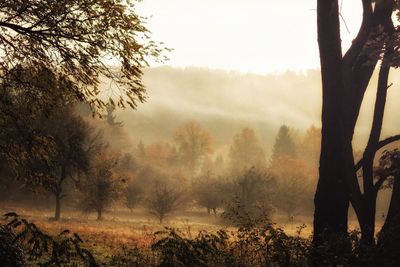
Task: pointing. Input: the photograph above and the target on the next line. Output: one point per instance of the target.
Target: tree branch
(362, 36)
(380, 182)
(380, 145)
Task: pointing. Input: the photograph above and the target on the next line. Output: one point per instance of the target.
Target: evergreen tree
(284, 144)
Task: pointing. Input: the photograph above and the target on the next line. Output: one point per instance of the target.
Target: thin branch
(380, 182)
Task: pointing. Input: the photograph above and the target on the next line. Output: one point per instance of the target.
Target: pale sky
(260, 36)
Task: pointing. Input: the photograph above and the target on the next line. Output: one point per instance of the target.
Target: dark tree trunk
(389, 237)
(99, 215)
(370, 189)
(393, 216)
(331, 198)
(344, 81)
(58, 193)
(57, 213)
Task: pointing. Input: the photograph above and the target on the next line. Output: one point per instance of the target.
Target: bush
(249, 246)
(133, 257)
(22, 243)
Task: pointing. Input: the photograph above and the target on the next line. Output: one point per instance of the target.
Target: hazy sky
(259, 36)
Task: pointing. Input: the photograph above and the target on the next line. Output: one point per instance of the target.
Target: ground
(121, 227)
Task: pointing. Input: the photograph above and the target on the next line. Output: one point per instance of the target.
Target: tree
(159, 154)
(127, 169)
(56, 51)
(344, 81)
(133, 195)
(75, 41)
(163, 201)
(110, 117)
(310, 146)
(208, 192)
(294, 182)
(102, 185)
(250, 199)
(44, 145)
(193, 145)
(246, 151)
(140, 150)
(284, 144)
(69, 156)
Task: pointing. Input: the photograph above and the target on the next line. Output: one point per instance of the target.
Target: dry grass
(120, 227)
(105, 238)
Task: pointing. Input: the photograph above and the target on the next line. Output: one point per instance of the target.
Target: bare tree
(163, 201)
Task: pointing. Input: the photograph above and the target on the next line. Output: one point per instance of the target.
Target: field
(122, 228)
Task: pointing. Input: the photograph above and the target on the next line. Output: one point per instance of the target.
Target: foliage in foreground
(22, 243)
(251, 244)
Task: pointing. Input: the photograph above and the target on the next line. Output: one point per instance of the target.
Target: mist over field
(224, 102)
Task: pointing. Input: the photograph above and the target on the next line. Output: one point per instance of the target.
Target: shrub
(23, 243)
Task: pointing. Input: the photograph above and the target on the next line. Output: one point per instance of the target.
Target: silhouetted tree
(344, 81)
(102, 185)
(42, 143)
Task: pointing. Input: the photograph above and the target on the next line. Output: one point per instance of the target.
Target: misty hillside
(224, 102)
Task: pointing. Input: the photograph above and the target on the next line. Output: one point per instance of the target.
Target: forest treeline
(89, 164)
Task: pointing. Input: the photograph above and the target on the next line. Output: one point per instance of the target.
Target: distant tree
(127, 164)
(73, 40)
(110, 117)
(219, 165)
(284, 144)
(141, 153)
(133, 195)
(193, 145)
(295, 181)
(208, 192)
(147, 176)
(163, 201)
(159, 154)
(310, 146)
(102, 186)
(246, 151)
(250, 198)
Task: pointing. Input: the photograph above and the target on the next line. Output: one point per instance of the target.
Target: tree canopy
(81, 42)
